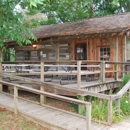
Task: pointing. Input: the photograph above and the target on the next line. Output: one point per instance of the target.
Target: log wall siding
(46, 53)
(93, 50)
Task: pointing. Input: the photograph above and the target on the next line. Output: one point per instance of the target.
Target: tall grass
(100, 109)
(125, 79)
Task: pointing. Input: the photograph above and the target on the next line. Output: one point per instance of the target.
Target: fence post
(88, 117)
(129, 94)
(42, 98)
(1, 86)
(79, 74)
(102, 75)
(109, 112)
(116, 71)
(118, 106)
(15, 100)
(81, 107)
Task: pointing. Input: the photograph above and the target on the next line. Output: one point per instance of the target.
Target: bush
(125, 79)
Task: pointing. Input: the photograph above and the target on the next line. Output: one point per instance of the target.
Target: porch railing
(116, 69)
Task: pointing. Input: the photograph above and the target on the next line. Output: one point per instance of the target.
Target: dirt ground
(8, 121)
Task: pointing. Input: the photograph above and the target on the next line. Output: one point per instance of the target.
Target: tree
(13, 26)
(60, 11)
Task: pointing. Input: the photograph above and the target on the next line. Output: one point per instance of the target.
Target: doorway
(80, 52)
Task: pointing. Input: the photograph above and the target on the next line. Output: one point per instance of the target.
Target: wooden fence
(109, 98)
(62, 98)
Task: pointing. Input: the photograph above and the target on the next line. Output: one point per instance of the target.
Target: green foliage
(100, 108)
(35, 2)
(13, 26)
(125, 79)
(61, 11)
(125, 104)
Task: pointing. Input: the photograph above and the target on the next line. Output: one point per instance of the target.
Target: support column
(109, 112)
(116, 58)
(1, 86)
(118, 106)
(129, 95)
(42, 98)
(79, 74)
(81, 108)
(57, 52)
(15, 100)
(102, 73)
(124, 56)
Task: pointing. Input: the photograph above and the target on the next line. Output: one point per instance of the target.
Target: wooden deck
(54, 118)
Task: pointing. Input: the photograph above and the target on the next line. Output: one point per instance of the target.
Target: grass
(100, 108)
(8, 121)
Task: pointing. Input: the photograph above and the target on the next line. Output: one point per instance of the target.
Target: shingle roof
(119, 23)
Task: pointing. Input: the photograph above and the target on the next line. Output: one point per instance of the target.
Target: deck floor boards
(62, 119)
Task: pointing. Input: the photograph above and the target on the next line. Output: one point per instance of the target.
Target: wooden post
(81, 107)
(88, 117)
(118, 106)
(57, 52)
(116, 58)
(129, 95)
(1, 86)
(42, 98)
(124, 56)
(109, 112)
(79, 74)
(102, 73)
(15, 100)
(116, 71)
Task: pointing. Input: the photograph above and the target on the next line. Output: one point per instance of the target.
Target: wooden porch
(86, 75)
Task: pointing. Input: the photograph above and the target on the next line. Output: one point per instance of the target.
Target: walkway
(56, 120)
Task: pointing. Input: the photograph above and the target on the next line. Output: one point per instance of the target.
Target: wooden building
(101, 38)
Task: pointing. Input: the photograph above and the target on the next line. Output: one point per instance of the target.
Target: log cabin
(100, 39)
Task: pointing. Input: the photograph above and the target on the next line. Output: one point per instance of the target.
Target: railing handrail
(58, 86)
(46, 93)
(122, 91)
(66, 99)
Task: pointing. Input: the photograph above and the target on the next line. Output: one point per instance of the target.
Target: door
(80, 51)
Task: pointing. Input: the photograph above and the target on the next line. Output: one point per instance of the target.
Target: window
(81, 52)
(27, 55)
(105, 53)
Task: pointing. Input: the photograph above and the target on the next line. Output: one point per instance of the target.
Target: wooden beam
(118, 106)
(109, 42)
(42, 98)
(15, 100)
(88, 116)
(116, 57)
(1, 86)
(79, 74)
(109, 112)
(57, 52)
(102, 74)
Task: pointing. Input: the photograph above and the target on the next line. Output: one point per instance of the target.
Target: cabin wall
(42, 52)
(93, 46)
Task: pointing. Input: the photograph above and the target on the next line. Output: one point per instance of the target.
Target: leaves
(13, 26)
(35, 2)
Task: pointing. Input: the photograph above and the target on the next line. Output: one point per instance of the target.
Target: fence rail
(116, 68)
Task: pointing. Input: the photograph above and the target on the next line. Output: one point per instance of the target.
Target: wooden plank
(1, 86)
(88, 117)
(109, 112)
(42, 97)
(118, 106)
(79, 74)
(102, 75)
(15, 100)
